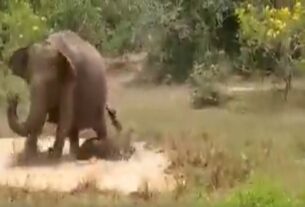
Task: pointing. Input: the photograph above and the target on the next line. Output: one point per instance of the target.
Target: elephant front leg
(65, 120)
(56, 151)
(32, 127)
(101, 127)
(31, 149)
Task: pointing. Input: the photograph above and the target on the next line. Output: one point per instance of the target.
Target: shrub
(205, 80)
(271, 37)
(206, 92)
(109, 25)
(80, 16)
(190, 30)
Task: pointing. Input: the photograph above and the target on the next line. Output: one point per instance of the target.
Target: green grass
(218, 150)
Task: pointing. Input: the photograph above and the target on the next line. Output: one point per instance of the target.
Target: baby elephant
(99, 148)
(105, 149)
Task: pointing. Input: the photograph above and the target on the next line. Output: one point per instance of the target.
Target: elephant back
(75, 49)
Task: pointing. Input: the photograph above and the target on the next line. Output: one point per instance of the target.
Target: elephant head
(46, 66)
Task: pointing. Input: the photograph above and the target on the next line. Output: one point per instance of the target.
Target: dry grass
(256, 133)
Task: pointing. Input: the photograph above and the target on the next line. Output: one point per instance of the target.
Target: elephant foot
(74, 149)
(30, 152)
(27, 156)
(54, 154)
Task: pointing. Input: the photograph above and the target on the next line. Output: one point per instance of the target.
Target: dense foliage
(272, 37)
(181, 36)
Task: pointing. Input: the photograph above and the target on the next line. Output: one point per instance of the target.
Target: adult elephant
(67, 87)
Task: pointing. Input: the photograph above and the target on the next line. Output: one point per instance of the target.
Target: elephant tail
(114, 120)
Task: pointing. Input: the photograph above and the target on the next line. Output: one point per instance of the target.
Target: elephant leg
(74, 141)
(65, 119)
(32, 127)
(101, 127)
(31, 146)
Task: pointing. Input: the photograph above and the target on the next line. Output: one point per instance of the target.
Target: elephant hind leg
(101, 128)
(74, 141)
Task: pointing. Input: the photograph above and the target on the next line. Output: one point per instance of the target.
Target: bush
(206, 78)
(80, 16)
(188, 32)
(270, 36)
(206, 92)
(109, 25)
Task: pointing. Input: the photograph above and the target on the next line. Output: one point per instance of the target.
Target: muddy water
(145, 166)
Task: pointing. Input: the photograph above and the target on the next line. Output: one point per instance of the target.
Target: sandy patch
(125, 176)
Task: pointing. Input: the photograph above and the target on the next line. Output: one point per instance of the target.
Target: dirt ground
(126, 176)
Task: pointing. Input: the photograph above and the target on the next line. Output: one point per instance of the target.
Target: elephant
(67, 83)
(94, 147)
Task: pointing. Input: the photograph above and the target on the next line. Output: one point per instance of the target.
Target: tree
(272, 32)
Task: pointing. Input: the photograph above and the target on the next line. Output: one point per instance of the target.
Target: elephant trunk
(13, 119)
(36, 118)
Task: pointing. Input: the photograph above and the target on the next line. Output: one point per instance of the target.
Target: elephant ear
(67, 49)
(18, 62)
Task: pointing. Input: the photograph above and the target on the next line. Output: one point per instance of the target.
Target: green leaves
(20, 26)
